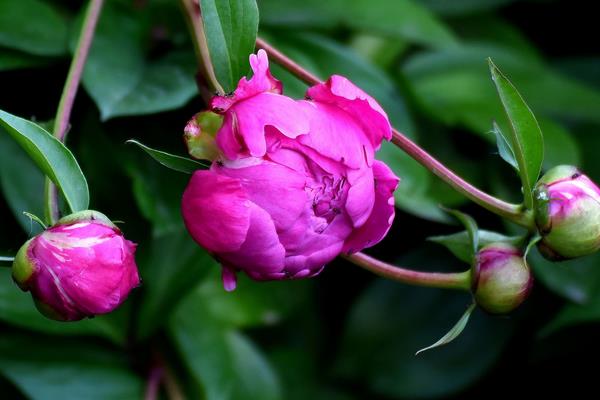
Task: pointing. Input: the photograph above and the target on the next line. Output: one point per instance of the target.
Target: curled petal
(262, 81)
(243, 130)
(337, 135)
(342, 93)
(382, 216)
(216, 211)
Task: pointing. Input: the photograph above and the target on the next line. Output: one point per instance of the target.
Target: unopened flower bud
(502, 280)
(199, 135)
(80, 267)
(567, 214)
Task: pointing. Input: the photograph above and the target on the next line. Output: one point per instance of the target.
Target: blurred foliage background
(345, 334)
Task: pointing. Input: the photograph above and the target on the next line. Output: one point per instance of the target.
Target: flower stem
(513, 212)
(450, 280)
(191, 11)
(63, 115)
(153, 383)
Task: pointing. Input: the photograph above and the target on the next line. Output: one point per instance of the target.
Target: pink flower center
(328, 198)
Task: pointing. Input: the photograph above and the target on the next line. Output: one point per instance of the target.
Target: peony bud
(199, 135)
(567, 214)
(502, 280)
(80, 267)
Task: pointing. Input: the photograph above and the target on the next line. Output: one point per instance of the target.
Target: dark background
(344, 334)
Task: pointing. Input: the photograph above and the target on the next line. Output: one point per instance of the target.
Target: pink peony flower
(80, 267)
(297, 183)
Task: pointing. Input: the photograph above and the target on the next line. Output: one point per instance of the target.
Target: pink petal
(229, 278)
(342, 93)
(262, 81)
(336, 135)
(277, 189)
(216, 211)
(361, 195)
(261, 252)
(243, 130)
(382, 216)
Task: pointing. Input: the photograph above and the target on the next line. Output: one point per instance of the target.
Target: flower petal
(382, 216)
(342, 93)
(261, 81)
(336, 135)
(243, 130)
(361, 196)
(216, 211)
(275, 188)
(261, 252)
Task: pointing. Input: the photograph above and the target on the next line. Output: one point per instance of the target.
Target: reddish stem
(451, 280)
(512, 212)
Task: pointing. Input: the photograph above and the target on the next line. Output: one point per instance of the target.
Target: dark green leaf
(222, 361)
(472, 231)
(22, 183)
(170, 267)
(454, 332)
(120, 78)
(66, 369)
(460, 243)
(172, 161)
(251, 304)
(575, 280)
(230, 27)
(52, 157)
(32, 26)
(405, 19)
(526, 140)
(504, 148)
(458, 7)
(390, 321)
(573, 314)
(10, 59)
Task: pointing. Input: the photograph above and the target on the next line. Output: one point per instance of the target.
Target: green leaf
(576, 280)
(11, 59)
(526, 139)
(250, 305)
(230, 27)
(17, 308)
(389, 322)
(171, 266)
(121, 78)
(172, 161)
(66, 369)
(460, 243)
(459, 7)
(223, 362)
(454, 332)
(18, 178)
(52, 157)
(32, 26)
(573, 314)
(406, 19)
(472, 231)
(504, 148)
